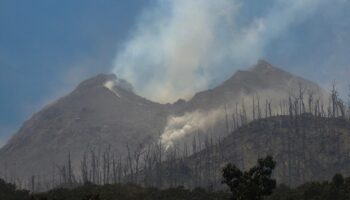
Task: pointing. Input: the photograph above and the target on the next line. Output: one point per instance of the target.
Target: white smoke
(182, 46)
(179, 126)
(170, 53)
(111, 85)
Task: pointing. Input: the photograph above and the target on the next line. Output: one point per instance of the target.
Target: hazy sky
(48, 46)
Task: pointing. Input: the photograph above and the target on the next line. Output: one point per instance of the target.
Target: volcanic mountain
(262, 79)
(104, 112)
(262, 89)
(97, 113)
(305, 148)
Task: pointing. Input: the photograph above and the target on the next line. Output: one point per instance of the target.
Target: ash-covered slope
(262, 79)
(101, 111)
(305, 147)
(246, 92)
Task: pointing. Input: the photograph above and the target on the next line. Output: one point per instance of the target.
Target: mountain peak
(102, 79)
(102, 113)
(97, 80)
(261, 68)
(262, 65)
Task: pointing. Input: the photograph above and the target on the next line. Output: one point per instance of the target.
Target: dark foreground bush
(336, 189)
(9, 192)
(129, 192)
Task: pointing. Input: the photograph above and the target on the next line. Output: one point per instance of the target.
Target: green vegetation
(337, 189)
(129, 192)
(253, 184)
(8, 191)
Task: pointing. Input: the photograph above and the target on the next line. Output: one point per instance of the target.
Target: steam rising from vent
(179, 126)
(111, 86)
(183, 46)
(243, 108)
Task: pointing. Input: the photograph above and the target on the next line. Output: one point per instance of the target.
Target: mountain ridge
(305, 147)
(104, 111)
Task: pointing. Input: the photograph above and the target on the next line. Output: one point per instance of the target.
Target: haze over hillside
(306, 148)
(104, 112)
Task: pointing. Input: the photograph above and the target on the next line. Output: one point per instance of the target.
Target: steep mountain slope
(103, 111)
(305, 147)
(245, 93)
(98, 113)
(262, 79)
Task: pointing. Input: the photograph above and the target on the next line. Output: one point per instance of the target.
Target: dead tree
(137, 154)
(266, 108)
(341, 108)
(62, 174)
(301, 99)
(234, 121)
(317, 109)
(259, 110)
(237, 115)
(336, 103)
(94, 173)
(194, 144)
(70, 170)
(281, 108)
(147, 166)
(130, 163)
(106, 158)
(53, 178)
(158, 154)
(33, 184)
(338, 107)
(253, 106)
(84, 169)
(226, 121)
(290, 103)
(310, 101)
(243, 114)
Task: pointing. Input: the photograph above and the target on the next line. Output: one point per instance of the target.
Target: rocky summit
(104, 112)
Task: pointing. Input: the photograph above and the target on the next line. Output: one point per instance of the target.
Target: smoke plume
(180, 47)
(183, 46)
(179, 126)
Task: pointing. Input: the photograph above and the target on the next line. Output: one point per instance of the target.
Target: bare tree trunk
(253, 108)
(226, 121)
(130, 163)
(84, 169)
(70, 172)
(33, 184)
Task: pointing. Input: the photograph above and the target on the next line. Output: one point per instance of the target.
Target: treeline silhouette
(251, 186)
(198, 163)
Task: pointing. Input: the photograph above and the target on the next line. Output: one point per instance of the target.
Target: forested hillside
(308, 140)
(335, 189)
